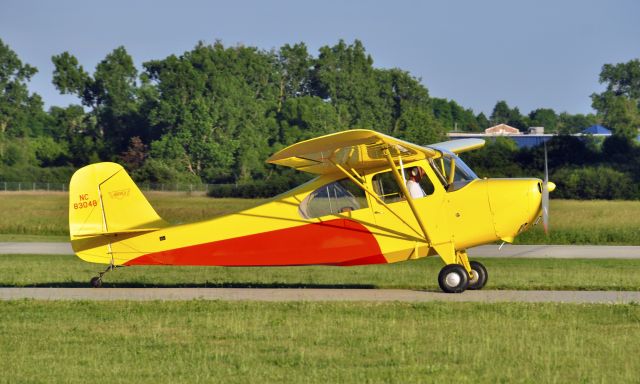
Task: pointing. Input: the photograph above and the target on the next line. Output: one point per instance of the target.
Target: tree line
(215, 113)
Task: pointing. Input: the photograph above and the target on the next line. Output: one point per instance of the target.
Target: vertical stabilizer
(104, 200)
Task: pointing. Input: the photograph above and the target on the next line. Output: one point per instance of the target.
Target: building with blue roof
(597, 130)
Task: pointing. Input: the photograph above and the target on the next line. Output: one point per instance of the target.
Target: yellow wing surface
(357, 149)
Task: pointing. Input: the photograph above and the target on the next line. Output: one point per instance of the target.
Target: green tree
(569, 124)
(20, 111)
(619, 104)
(619, 113)
(442, 112)
(69, 77)
(453, 117)
(306, 117)
(344, 76)
(411, 109)
(503, 114)
(483, 122)
(111, 93)
(622, 79)
(214, 110)
(75, 128)
(295, 64)
(544, 117)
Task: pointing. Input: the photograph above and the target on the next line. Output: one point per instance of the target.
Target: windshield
(452, 171)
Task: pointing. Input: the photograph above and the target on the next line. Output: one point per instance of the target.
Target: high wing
(459, 146)
(357, 149)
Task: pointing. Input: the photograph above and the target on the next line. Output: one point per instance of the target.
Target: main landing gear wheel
(453, 278)
(479, 276)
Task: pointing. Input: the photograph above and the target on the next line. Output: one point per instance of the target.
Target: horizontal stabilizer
(125, 231)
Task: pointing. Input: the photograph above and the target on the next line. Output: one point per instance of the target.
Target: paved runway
(558, 251)
(520, 251)
(14, 248)
(346, 295)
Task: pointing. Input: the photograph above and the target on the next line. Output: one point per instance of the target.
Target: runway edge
(317, 295)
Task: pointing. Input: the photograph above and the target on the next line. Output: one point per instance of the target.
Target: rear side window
(386, 187)
(340, 196)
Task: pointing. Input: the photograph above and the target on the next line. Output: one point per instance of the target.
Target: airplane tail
(104, 201)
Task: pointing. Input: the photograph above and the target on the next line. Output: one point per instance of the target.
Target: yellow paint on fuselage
(481, 212)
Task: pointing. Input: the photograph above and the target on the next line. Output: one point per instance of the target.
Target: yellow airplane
(376, 199)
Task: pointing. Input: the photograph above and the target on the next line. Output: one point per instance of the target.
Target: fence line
(39, 186)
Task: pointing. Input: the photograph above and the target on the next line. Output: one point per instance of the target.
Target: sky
(533, 54)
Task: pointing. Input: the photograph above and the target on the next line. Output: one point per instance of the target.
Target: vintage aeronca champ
(376, 199)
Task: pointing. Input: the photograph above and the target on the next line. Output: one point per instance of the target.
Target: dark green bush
(259, 188)
(158, 171)
(31, 173)
(594, 183)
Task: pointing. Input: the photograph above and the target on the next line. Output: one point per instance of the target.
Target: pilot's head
(416, 173)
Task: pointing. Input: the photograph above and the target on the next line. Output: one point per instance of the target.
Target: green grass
(33, 238)
(521, 274)
(249, 342)
(28, 214)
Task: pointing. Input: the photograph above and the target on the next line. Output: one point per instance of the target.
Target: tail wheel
(96, 282)
(479, 276)
(453, 278)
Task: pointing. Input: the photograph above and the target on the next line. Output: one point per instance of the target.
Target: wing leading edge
(459, 146)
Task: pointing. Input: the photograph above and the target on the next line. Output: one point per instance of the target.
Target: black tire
(96, 282)
(482, 276)
(453, 278)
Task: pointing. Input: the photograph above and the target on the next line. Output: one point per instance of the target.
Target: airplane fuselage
(278, 233)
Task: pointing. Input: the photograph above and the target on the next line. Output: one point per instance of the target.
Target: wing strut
(403, 187)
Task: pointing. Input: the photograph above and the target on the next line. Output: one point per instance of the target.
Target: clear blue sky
(532, 54)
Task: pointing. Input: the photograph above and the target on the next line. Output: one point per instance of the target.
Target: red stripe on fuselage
(334, 242)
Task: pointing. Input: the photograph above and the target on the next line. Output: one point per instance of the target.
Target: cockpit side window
(386, 187)
(340, 196)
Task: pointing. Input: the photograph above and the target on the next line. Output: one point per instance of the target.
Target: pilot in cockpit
(413, 184)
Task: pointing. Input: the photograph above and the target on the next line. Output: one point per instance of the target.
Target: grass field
(30, 216)
(589, 222)
(223, 342)
(545, 274)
